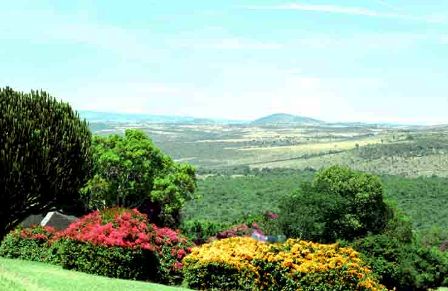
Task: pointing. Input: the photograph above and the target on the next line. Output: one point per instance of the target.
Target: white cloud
(348, 10)
(230, 43)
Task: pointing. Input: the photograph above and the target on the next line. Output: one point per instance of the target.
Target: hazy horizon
(356, 61)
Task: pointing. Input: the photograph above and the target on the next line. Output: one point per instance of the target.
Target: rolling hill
(286, 119)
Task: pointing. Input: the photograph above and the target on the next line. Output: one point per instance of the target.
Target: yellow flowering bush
(242, 263)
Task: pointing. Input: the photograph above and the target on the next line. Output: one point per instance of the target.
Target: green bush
(405, 266)
(218, 276)
(29, 244)
(200, 231)
(44, 156)
(116, 262)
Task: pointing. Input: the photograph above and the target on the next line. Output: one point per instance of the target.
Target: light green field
(406, 151)
(18, 275)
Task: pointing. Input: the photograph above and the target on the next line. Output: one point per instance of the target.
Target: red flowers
(128, 228)
(37, 232)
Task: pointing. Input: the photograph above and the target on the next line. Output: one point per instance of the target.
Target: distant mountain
(107, 117)
(286, 119)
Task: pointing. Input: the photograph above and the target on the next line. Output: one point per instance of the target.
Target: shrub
(44, 156)
(171, 248)
(268, 223)
(115, 262)
(234, 231)
(200, 231)
(28, 244)
(247, 264)
(404, 266)
(264, 225)
(121, 243)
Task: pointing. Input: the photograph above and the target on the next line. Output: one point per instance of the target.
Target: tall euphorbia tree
(44, 155)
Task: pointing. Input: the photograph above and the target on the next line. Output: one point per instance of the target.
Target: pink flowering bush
(127, 229)
(234, 231)
(264, 224)
(121, 243)
(115, 242)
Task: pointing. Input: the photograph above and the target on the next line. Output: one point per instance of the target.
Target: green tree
(402, 265)
(44, 155)
(339, 204)
(130, 171)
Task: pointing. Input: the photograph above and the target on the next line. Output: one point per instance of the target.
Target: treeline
(413, 147)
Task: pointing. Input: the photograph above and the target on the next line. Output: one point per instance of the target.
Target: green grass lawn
(18, 275)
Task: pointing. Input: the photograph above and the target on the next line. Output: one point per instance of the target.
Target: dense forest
(240, 192)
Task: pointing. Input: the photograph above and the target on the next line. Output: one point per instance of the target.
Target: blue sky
(370, 60)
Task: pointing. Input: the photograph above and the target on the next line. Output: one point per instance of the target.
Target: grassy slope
(17, 275)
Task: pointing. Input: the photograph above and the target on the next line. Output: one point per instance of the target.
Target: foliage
(421, 146)
(44, 155)
(436, 236)
(130, 171)
(423, 199)
(200, 231)
(227, 198)
(405, 266)
(247, 264)
(171, 248)
(28, 244)
(338, 204)
(268, 223)
(399, 227)
(121, 243)
(206, 231)
(234, 231)
(115, 262)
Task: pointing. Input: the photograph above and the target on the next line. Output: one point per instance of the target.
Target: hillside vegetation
(228, 197)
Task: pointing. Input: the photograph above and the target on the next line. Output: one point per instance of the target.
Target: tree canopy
(130, 171)
(338, 204)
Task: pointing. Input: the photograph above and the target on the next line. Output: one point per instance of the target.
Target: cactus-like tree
(44, 155)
